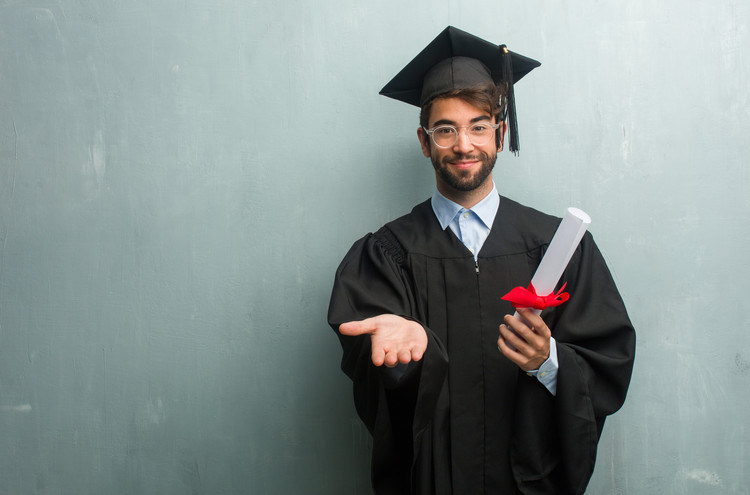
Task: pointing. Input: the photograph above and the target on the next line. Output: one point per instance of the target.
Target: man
(460, 396)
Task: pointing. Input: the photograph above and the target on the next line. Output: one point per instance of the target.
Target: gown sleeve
(596, 349)
(371, 281)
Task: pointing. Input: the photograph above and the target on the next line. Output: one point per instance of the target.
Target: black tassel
(510, 98)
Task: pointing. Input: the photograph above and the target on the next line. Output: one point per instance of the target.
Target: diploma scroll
(560, 250)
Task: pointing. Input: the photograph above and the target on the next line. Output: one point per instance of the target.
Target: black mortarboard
(459, 60)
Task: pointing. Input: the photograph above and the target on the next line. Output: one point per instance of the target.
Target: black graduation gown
(466, 420)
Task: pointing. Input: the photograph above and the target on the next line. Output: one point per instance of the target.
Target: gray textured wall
(179, 180)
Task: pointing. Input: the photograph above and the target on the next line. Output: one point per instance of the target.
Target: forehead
(455, 111)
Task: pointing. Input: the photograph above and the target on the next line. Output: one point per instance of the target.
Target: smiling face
(463, 172)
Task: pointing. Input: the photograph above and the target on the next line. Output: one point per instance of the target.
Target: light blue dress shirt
(472, 227)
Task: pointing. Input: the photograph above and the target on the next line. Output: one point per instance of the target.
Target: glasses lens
(444, 135)
(480, 133)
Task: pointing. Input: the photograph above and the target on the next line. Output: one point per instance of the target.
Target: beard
(464, 180)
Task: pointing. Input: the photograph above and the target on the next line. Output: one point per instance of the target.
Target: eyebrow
(480, 118)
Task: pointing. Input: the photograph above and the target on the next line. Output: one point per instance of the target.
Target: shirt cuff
(547, 372)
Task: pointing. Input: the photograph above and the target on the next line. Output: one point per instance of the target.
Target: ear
(501, 135)
(424, 141)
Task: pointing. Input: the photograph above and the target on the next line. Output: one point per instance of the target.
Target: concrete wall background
(179, 180)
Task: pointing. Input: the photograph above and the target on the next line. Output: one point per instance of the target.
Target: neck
(467, 199)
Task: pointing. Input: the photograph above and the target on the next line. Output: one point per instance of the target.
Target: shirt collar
(446, 210)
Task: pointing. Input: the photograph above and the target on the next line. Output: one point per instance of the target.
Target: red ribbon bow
(521, 297)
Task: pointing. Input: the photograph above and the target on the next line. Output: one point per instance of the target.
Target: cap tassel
(510, 99)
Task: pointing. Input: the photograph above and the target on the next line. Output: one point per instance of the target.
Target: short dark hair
(490, 98)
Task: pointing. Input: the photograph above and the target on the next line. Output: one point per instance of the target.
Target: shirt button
(466, 214)
(543, 374)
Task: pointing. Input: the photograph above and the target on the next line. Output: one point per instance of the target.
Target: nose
(463, 143)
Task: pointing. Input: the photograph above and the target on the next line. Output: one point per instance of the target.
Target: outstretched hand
(525, 340)
(394, 339)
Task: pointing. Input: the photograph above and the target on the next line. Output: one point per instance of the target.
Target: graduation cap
(459, 60)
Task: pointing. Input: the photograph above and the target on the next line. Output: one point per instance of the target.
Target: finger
(360, 327)
(536, 321)
(506, 349)
(518, 327)
(515, 341)
(417, 354)
(524, 331)
(509, 352)
(526, 360)
(527, 341)
(391, 359)
(378, 356)
(404, 356)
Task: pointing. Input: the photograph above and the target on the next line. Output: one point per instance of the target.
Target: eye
(444, 131)
(479, 128)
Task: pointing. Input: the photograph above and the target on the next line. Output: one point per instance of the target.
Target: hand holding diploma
(525, 340)
(524, 337)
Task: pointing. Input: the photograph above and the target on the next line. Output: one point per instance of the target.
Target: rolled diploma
(560, 250)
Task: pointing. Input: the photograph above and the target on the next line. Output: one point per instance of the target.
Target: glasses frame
(456, 128)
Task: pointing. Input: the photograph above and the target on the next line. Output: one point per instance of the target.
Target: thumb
(354, 328)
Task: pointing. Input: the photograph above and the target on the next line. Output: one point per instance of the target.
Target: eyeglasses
(445, 136)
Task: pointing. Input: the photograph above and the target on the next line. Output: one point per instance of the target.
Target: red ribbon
(521, 297)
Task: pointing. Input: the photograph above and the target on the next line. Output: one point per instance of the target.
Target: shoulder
(410, 232)
(537, 224)
(519, 228)
(393, 241)
(419, 215)
(522, 215)
(536, 229)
